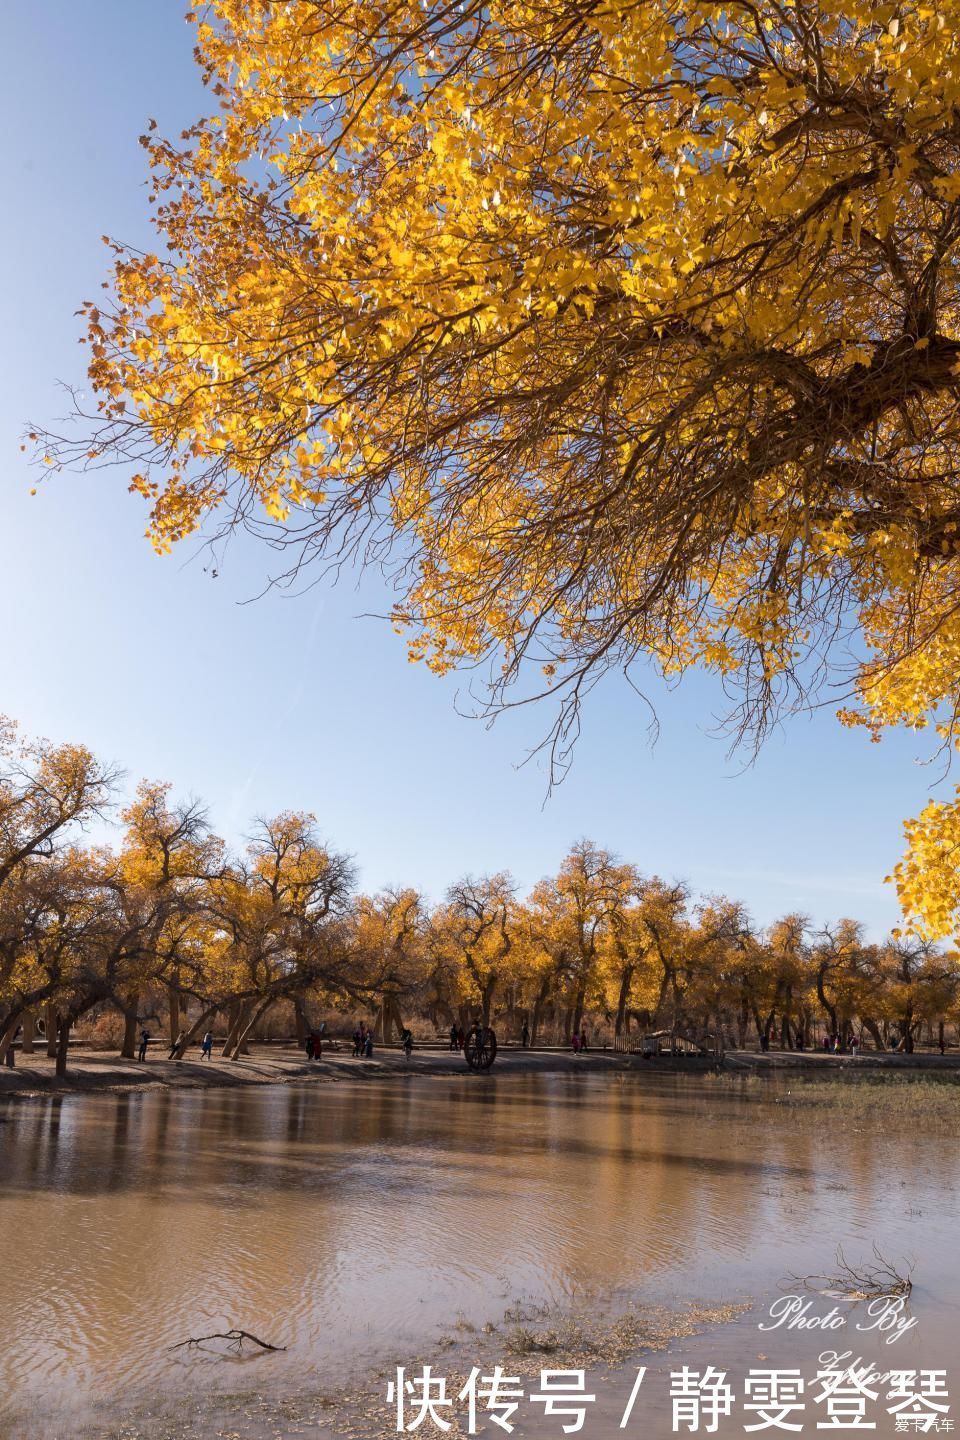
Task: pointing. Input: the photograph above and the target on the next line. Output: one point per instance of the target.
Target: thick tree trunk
(63, 1043)
(50, 1027)
(236, 1021)
(677, 1012)
(664, 992)
(241, 1040)
(129, 1047)
(626, 980)
(173, 997)
(578, 1010)
(537, 1014)
(489, 991)
(873, 1030)
(393, 1019)
(381, 1024)
(7, 1034)
(30, 1027)
(191, 1034)
(8, 1051)
(786, 1028)
(830, 1010)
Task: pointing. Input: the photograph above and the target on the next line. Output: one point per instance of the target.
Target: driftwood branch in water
(861, 1282)
(235, 1337)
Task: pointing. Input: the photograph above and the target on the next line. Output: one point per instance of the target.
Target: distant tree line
(170, 927)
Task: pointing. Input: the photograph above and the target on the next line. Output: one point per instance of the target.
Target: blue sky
(287, 702)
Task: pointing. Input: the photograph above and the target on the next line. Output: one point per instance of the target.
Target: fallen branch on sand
(234, 1337)
(860, 1282)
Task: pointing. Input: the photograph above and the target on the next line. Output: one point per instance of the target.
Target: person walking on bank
(525, 1036)
(206, 1046)
(454, 1038)
(144, 1042)
(583, 1039)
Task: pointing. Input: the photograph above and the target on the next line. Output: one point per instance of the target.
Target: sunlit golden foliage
(637, 326)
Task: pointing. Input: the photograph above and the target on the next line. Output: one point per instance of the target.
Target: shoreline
(96, 1072)
(606, 1344)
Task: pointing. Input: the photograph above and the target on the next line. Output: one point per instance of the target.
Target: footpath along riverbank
(92, 1071)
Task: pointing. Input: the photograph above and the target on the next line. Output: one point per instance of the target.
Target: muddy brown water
(356, 1224)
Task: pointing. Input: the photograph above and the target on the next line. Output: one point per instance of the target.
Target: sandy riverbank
(92, 1071)
(605, 1346)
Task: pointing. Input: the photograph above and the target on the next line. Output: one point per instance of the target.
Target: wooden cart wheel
(480, 1049)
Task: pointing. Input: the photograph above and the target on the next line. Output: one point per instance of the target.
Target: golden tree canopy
(636, 326)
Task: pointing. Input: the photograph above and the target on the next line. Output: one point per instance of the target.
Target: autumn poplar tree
(277, 912)
(635, 943)
(547, 942)
(636, 326)
(592, 888)
(168, 859)
(48, 793)
(479, 916)
(388, 934)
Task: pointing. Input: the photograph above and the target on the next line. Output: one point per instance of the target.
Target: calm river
(355, 1222)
